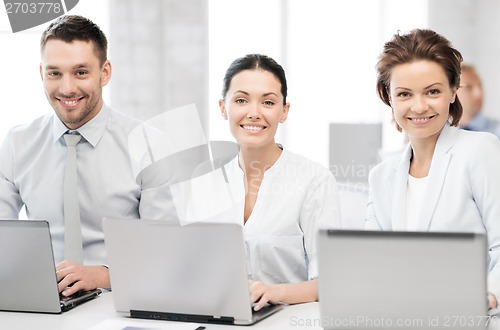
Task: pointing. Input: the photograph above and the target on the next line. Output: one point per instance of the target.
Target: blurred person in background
(471, 96)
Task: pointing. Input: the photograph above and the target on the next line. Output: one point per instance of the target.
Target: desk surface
(99, 314)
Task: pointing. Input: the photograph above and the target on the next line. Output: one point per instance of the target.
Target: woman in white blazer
(446, 179)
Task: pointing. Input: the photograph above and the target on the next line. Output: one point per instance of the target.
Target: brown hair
(73, 27)
(420, 44)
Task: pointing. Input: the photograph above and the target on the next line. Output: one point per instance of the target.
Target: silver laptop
(191, 273)
(28, 281)
(402, 280)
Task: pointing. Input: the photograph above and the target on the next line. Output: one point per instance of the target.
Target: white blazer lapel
(437, 175)
(398, 190)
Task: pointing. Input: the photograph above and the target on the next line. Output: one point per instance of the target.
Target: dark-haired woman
(286, 196)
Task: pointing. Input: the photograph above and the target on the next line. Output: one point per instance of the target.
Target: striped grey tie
(73, 250)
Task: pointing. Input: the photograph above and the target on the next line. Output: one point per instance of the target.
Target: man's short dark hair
(73, 27)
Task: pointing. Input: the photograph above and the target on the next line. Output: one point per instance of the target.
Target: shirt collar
(91, 131)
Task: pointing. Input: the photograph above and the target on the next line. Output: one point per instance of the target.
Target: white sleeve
(485, 185)
(371, 221)
(157, 204)
(319, 210)
(10, 199)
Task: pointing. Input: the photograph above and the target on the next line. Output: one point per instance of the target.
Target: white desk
(100, 314)
(95, 312)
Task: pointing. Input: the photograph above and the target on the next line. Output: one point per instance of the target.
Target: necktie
(73, 250)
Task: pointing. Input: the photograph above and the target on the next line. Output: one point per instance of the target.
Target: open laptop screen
(163, 270)
(411, 280)
(28, 280)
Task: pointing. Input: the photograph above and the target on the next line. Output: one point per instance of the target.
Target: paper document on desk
(119, 324)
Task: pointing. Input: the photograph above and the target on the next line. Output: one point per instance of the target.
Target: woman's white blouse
(296, 197)
(415, 194)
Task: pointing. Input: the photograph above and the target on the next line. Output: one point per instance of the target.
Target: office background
(168, 53)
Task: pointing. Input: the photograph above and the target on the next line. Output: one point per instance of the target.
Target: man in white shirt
(74, 69)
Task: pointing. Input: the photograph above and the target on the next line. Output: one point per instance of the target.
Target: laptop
(28, 281)
(192, 273)
(402, 280)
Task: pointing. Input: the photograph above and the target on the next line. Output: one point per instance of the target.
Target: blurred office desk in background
(99, 314)
(354, 149)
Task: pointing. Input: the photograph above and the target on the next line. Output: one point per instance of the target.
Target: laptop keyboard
(73, 296)
(265, 309)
